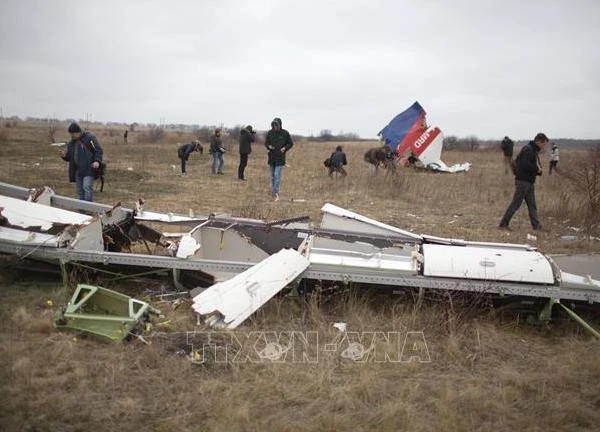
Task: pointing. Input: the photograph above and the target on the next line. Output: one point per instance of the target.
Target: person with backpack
(337, 160)
(527, 168)
(184, 151)
(84, 155)
(507, 146)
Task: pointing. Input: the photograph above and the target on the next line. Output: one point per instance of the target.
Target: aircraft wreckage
(235, 265)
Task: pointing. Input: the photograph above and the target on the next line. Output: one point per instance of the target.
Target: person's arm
(288, 143)
(98, 152)
(345, 161)
(67, 154)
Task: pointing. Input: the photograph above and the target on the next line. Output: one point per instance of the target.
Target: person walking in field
(217, 151)
(84, 155)
(554, 158)
(125, 135)
(507, 146)
(528, 167)
(278, 142)
(337, 160)
(247, 137)
(184, 151)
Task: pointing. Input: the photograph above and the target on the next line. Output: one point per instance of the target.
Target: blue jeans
(217, 162)
(275, 178)
(85, 187)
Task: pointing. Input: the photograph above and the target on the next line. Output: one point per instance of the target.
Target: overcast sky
(486, 68)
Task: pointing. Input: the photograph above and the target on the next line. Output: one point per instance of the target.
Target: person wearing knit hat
(278, 142)
(84, 155)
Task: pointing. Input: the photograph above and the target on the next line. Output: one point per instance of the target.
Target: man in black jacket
(84, 155)
(247, 136)
(184, 151)
(528, 167)
(278, 142)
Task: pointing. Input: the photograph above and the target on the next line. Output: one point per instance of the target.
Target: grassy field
(481, 368)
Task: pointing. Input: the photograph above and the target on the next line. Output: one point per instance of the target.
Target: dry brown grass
(487, 371)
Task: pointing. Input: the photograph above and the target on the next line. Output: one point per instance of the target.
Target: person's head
(75, 131)
(338, 148)
(276, 124)
(249, 129)
(541, 140)
(554, 145)
(218, 132)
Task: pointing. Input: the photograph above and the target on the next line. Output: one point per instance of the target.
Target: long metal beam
(315, 271)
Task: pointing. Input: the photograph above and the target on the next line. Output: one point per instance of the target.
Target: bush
(154, 134)
(584, 176)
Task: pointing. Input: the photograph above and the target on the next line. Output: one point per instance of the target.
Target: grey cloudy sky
(485, 68)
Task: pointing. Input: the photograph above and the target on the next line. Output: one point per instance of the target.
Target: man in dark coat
(337, 160)
(84, 155)
(184, 151)
(528, 167)
(247, 137)
(507, 146)
(278, 142)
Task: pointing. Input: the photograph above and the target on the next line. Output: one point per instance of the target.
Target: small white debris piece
(340, 326)
(129, 169)
(188, 246)
(531, 237)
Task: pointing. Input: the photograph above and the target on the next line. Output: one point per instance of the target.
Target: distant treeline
(472, 143)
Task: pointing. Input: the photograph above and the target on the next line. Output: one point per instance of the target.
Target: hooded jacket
(81, 154)
(275, 141)
(528, 163)
(246, 140)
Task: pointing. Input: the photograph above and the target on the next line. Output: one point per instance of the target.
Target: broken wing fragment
(227, 304)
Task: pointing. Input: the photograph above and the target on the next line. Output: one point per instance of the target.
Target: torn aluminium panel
(227, 304)
(78, 231)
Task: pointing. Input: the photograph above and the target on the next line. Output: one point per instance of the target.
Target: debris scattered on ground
(105, 313)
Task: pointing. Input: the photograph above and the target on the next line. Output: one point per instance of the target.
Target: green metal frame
(103, 312)
(546, 314)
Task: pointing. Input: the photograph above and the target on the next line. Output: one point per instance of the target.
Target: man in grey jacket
(216, 151)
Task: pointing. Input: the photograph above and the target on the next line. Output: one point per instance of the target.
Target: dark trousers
(553, 166)
(183, 165)
(242, 167)
(523, 191)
